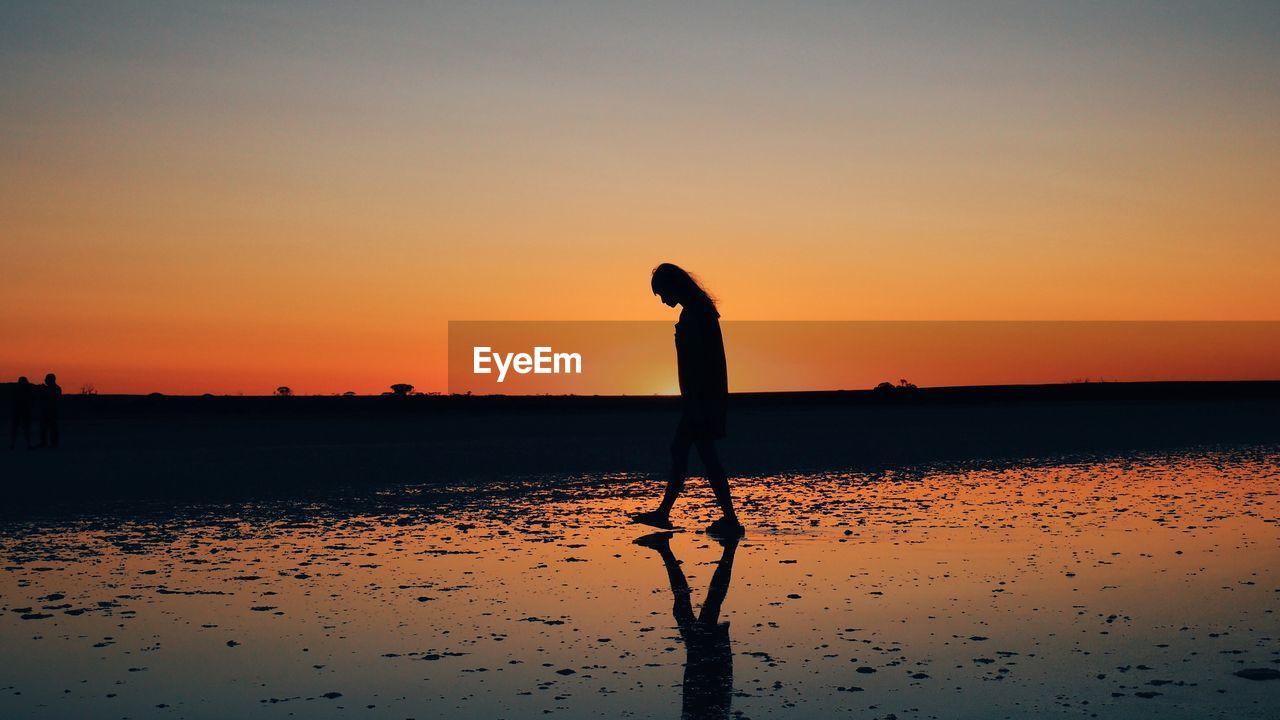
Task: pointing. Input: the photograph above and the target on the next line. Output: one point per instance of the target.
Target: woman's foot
(726, 527)
(653, 518)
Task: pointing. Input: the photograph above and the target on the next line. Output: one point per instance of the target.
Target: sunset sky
(207, 197)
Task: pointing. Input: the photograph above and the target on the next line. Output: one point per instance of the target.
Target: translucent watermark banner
(639, 358)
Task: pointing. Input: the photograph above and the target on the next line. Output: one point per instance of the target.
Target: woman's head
(675, 286)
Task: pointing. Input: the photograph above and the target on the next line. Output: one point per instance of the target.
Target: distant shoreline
(143, 448)
(1090, 390)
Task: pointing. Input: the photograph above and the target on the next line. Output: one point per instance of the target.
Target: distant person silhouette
(20, 412)
(50, 397)
(708, 666)
(704, 394)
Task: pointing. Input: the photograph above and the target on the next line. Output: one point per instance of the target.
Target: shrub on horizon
(888, 388)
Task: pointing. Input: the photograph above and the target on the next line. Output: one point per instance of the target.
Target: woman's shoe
(726, 527)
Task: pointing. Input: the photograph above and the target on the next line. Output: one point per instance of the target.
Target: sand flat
(1133, 586)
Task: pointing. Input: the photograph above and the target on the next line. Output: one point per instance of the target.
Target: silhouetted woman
(23, 401)
(50, 397)
(704, 394)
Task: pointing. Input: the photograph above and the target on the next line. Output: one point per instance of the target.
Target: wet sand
(1140, 585)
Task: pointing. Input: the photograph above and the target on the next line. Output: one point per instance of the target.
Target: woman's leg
(715, 476)
(679, 466)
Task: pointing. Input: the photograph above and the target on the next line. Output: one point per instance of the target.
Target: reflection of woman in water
(708, 667)
(704, 394)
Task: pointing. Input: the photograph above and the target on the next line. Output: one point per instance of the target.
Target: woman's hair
(674, 277)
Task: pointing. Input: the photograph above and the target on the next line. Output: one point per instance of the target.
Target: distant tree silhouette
(88, 389)
(402, 389)
(284, 391)
(349, 393)
(888, 388)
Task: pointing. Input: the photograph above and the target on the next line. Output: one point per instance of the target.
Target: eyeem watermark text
(543, 361)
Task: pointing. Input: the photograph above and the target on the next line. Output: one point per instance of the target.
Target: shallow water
(1132, 587)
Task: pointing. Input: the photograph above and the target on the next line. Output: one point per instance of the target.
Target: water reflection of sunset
(1016, 584)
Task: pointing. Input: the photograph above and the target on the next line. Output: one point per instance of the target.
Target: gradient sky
(226, 198)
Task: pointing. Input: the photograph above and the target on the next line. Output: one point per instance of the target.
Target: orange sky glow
(228, 200)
